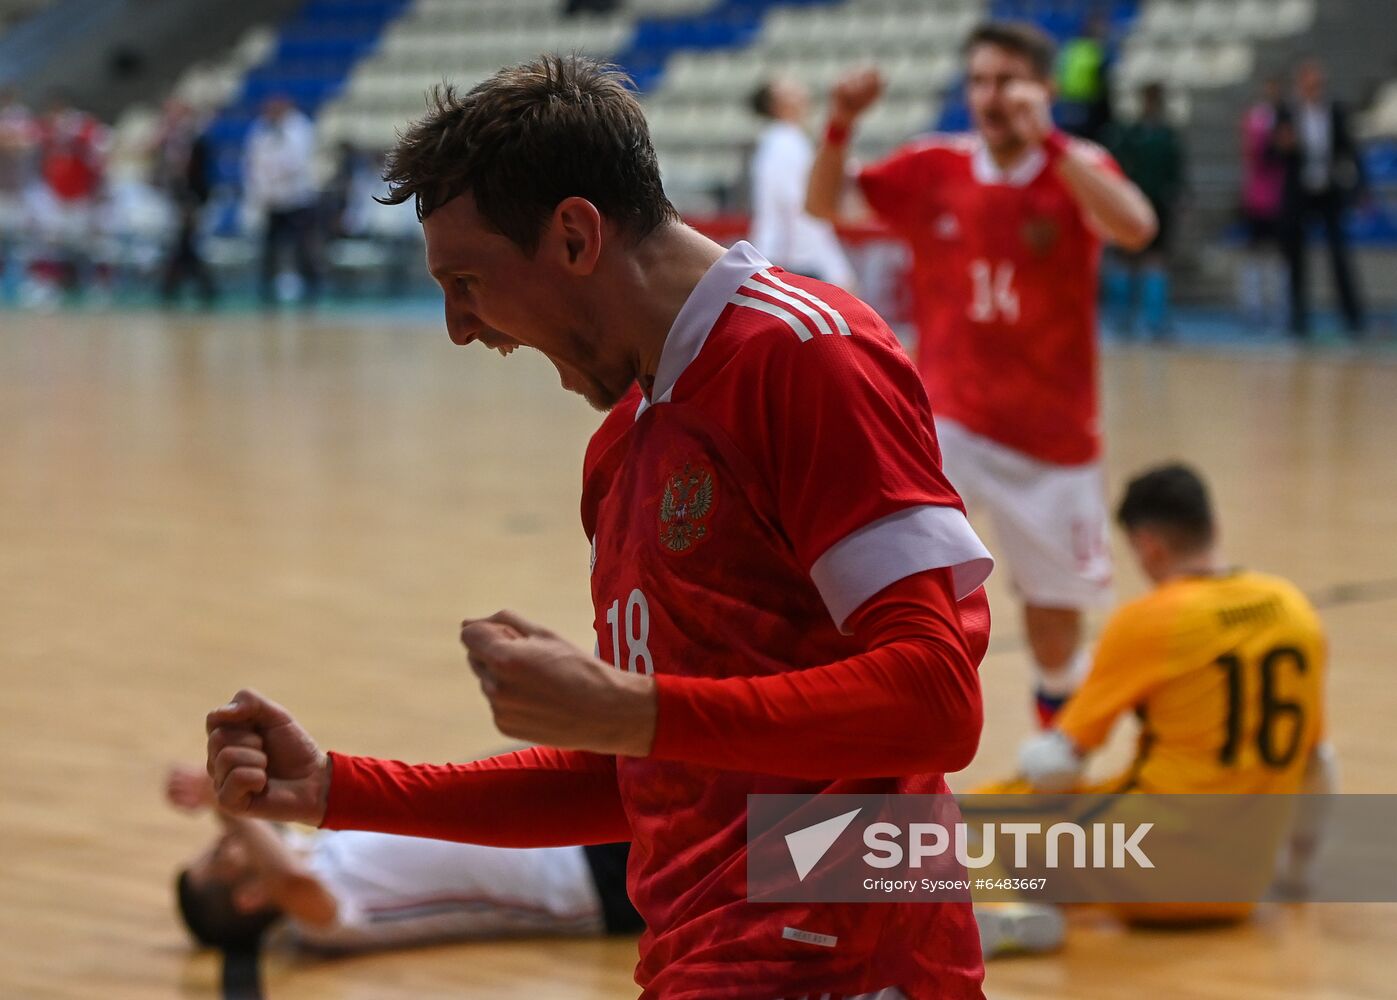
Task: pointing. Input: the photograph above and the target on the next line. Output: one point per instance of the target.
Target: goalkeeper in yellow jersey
(1225, 669)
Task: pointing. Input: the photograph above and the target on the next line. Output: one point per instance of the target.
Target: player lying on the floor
(1224, 667)
(352, 891)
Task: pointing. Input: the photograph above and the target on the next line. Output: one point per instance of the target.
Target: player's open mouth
(567, 375)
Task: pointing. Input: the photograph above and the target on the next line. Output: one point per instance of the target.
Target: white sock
(1062, 682)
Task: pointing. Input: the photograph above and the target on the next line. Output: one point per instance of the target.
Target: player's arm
(909, 705)
(1130, 660)
(282, 878)
(1114, 206)
(827, 191)
(263, 764)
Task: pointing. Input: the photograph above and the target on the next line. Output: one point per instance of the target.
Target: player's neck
(1009, 156)
(1208, 563)
(658, 278)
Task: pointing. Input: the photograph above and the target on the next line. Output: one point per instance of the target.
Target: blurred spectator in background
(1151, 153)
(1323, 177)
(279, 187)
(781, 228)
(571, 7)
(18, 137)
(349, 198)
(1263, 186)
(181, 162)
(73, 148)
(1083, 81)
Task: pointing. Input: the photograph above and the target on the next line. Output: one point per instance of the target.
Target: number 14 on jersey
(993, 295)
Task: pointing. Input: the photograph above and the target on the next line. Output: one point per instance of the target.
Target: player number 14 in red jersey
(994, 297)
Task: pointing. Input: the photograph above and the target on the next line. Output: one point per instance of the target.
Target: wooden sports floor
(310, 506)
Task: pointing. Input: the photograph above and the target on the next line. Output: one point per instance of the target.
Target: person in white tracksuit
(781, 228)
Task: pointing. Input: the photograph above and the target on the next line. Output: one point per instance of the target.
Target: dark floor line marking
(242, 976)
(1355, 592)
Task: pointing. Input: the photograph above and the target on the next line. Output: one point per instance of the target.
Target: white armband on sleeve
(1050, 762)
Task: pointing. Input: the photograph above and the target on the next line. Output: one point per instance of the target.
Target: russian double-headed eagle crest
(1040, 234)
(685, 507)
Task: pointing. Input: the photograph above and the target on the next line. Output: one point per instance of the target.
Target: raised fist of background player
(854, 93)
(1030, 110)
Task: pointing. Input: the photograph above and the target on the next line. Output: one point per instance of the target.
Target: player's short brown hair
(527, 138)
(1173, 500)
(1021, 38)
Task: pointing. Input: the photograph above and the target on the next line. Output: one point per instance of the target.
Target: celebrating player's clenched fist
(853, 94)
(1030, 111)
(544, 689)
(264, 764)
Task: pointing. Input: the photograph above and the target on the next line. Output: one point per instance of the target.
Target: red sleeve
(892, 187)
(910, 705)
(539, 797)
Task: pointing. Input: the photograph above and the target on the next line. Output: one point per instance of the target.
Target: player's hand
(189, 788)
(853, 94)
(263, 764)
(545, 690)
(1030, 111)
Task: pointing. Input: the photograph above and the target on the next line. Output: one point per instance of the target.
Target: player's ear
(252, 895)
(577, 230)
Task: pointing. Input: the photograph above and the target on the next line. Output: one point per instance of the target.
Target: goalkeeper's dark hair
(1172, 500)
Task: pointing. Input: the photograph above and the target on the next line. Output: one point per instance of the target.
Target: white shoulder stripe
(771, 309)
(814, 300)
(804, 308)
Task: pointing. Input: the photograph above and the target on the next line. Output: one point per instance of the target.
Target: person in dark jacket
(1151, 153)
(1323, 178)
(182, 172)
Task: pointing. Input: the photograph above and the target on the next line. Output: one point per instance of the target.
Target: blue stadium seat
(1380, 159)
(315, 53)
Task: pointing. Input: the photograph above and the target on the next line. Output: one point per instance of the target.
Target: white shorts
(1050, 521)
(395, 891)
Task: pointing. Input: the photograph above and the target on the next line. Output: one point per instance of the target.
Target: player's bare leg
(1055, 639)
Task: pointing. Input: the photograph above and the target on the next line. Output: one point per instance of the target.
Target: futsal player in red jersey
(1005, 226)
(787, 593)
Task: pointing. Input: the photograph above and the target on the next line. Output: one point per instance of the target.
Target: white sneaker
(1019, 928)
